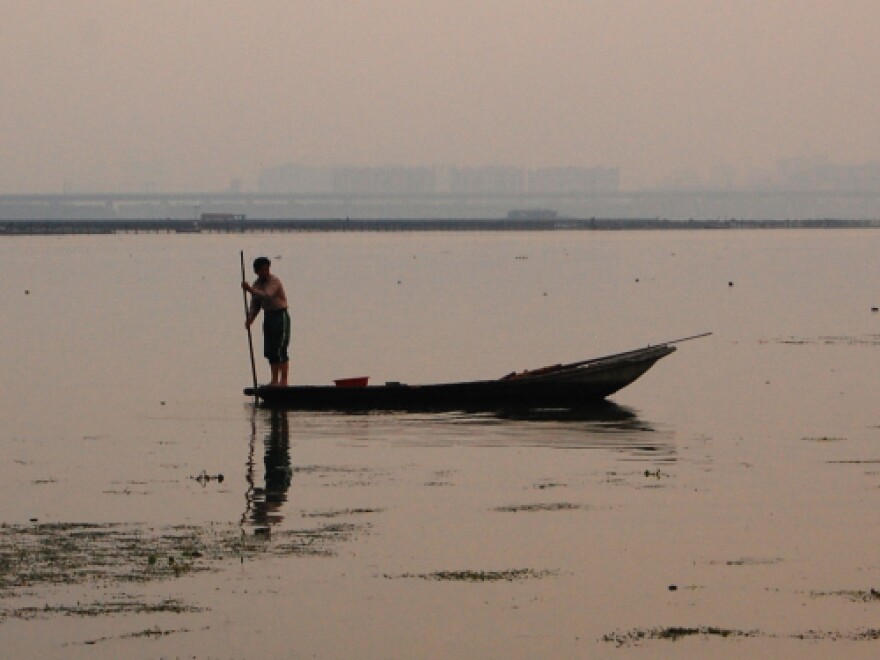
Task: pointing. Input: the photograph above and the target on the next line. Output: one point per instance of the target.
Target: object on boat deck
(360, 381)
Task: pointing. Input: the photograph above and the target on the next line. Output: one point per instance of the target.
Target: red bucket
(360, 381)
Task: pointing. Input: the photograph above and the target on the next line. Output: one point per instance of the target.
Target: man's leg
(276, 371)
(284, 367)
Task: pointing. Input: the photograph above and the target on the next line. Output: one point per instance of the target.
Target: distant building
(403, 180)
(574, 180)
(825, 176)
(292, 178)
(383, 180)
(485, 180)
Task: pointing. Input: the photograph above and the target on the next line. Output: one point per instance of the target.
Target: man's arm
(254, 306)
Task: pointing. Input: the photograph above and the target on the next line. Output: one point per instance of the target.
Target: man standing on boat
(267, 293)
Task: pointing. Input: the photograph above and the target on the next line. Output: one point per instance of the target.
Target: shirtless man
(267, 294)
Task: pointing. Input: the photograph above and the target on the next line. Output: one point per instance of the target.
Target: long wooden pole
(250, 336)
(605, 357)
(678, 341)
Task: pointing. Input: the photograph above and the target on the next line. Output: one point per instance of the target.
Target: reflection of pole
(249, 477)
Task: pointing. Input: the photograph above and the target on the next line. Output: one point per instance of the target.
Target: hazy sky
(189, 94)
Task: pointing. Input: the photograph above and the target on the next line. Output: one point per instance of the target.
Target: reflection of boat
(602, 415)
(570, 386)
(600, 425)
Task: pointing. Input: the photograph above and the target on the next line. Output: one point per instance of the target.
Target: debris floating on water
(204, 477)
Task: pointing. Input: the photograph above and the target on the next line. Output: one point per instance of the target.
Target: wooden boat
(562, 386)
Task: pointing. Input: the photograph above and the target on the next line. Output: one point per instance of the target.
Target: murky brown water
(726, 503)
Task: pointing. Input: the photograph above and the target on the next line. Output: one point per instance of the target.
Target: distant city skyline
(814, 173)
(807, 174)
(295, 178)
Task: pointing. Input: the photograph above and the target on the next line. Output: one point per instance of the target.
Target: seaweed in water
(479, 576)
(72, 553)
(857, 596)
(673, 634)
(103, 608)
(553, 506)
(335, 513)
(69, 553)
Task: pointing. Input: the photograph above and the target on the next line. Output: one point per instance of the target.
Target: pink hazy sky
(190, 94)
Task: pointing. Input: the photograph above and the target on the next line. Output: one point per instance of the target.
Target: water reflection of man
(267, 501)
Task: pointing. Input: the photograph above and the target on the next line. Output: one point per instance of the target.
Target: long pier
(246, 225)
(326, 207)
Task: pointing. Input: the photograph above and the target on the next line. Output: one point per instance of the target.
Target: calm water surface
(731, 492)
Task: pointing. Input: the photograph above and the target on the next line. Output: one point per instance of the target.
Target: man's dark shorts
(276, 335)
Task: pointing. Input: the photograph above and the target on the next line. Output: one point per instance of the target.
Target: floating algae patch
(336, 513)
(673, 634)
(831, 340)
(441, 478)
(869, 461)
(859, 635)
(70, 553)
(153, 633)
(823, 438)
(857, 596)
(127, 606)
(748, 561)
(126, 491)
(513, 575)
(336, 476)
(532, 508)
(319, 542)
(543, 485)
(112, 555)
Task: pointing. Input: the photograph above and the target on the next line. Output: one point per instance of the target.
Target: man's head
(261, 266)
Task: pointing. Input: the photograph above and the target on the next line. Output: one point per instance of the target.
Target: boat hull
(563, 386)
